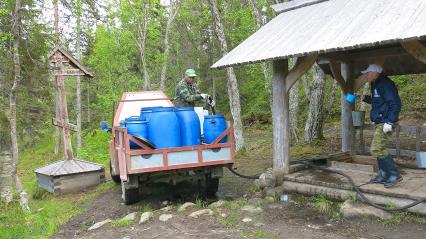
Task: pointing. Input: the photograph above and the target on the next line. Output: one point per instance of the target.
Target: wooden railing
(397, 151)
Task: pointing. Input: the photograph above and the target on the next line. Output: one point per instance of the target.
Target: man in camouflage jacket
(187, 92)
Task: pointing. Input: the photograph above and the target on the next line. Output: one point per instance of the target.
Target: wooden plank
(70, 72)
(280, 120)
(303, 64)
(58, 123)
(415, 49)
(336, 71)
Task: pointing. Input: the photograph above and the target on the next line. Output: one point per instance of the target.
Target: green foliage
(95, 147)
(326, 206)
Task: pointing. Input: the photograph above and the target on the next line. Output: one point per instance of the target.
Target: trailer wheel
(129, 195)
(115, 178)
(212, 185)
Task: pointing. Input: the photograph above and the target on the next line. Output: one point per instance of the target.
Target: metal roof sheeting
(66, 167)
(331, 26)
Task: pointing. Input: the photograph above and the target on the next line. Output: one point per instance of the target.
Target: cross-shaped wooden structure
(69, 174)
(59, 57)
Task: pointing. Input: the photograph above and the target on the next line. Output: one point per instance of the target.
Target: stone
(99, 224)
(129, 217)
(127, 237)
(247, 219)
(165, 203)
(185, 206)
(265, 180)
(256, 201)
(165, 217)
(166, 209)
(198, 213)
(259, 224)
(350, 209)
(145, 217)
(269, 199)
(223, 215)
(252, 209)
(217, 203)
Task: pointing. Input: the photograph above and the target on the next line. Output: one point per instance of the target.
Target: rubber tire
(130, 196)
(212, 186)
(115, 178)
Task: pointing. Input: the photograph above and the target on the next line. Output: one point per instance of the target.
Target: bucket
(421, 159)
(136, 126)
(189, 123)
(358, 118)
(214, 125)
(163, 128)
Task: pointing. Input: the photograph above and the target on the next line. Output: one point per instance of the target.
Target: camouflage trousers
(380, 140)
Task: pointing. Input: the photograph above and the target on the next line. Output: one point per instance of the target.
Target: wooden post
(418, 142)
(347, 108)
(280, 120)
(60, 84)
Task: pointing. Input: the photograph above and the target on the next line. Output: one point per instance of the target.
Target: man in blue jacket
(385, 108)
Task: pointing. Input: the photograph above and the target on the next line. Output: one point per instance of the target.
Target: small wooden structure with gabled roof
(69, 174)
(343, 37)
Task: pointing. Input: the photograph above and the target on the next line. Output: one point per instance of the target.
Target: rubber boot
(382, 176)
(393, 173)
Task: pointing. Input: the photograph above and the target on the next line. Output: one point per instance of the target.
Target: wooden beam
(416, 49)
(280, 120)
(348, 134)
(70, 72)
(336, 70)
(301, 67)
(58, 123)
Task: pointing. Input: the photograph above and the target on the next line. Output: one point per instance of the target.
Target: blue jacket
(384, 100)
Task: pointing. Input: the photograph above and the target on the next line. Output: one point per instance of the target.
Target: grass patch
(236, 204)
(121, 223)
(48, 212)
(404, 217)
(230, 221)
(258, 233)
(326, 206)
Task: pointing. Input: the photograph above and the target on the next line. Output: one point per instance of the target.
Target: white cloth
(373, 68)
(387, 128)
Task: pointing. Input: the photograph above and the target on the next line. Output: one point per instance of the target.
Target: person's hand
(205, 96)
(387, 128)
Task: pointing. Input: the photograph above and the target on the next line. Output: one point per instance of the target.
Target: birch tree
(233, 91)
(78, 11)
(313, 125)
(16, 28)
(57, 42)
(139, 10)
(173, 11)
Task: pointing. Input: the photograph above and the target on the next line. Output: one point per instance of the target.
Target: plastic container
(421, 159)
(163, 128)
(146, 112)
(136, 126)
(358, 118)
(214, 126)
(190, 130)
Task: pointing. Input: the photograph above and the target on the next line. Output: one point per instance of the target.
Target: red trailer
(135, 167)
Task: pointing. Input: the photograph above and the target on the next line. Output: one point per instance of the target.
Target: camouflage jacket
(185, 94)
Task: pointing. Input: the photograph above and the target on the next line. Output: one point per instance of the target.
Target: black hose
(256, 176)
(357, 189)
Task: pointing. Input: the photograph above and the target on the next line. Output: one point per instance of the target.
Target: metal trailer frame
(136, 165)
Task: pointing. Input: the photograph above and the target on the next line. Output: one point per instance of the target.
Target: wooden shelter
(343, 37)
(69, 174)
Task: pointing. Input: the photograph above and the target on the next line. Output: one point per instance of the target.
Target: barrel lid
(163, 109)
(184, 108)
(214, 116)
(132, 118)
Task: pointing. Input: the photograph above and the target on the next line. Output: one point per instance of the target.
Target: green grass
(235, 205)
(401, 217)
(258, 233)
(121, 223)
(326, 206)
(48, 212)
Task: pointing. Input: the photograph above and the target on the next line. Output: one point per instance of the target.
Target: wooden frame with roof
(343, 37)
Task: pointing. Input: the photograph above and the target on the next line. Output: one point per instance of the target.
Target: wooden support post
(347, 108)
(415, 49)
(280, 120)
(361, 138)
(63, 111)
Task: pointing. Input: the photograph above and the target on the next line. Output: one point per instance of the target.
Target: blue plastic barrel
(190, 130)
(146, 112)
(214, 125)
(136, 126)
(163, 128)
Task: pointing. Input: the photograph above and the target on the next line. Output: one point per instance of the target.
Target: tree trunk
(265, 66)
(314, 122)
(12, 103)
(233, 92)
(56, 39)
(78, 83)
(174, 9)
(88, 103)
(6, 179)
(142, 46)
(294, 110)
